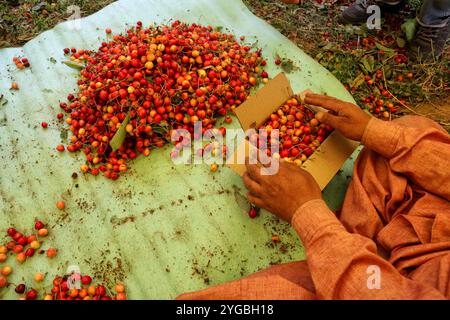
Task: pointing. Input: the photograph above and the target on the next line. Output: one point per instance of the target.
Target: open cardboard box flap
(255, 110)
(323, 164)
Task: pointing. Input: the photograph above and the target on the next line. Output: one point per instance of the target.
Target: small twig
(387, 89)
(404, 105)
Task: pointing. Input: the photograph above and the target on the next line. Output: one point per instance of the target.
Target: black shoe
(13, 3)
(430, 40)
(357, 12)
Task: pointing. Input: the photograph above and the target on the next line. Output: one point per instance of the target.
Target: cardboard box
(323, 164)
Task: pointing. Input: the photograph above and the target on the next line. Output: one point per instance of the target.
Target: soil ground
(313, 26)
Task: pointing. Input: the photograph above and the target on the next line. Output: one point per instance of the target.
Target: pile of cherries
(62, 290)
(25, 246)
(299, 132)
(21, 63)
(150, 81)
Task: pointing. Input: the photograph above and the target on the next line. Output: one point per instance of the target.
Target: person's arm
(345, 265)
(420, 153)
(338, 260)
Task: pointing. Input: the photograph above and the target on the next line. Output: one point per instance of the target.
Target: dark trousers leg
(434, 12)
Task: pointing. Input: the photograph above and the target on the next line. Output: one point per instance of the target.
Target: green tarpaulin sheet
(162, 229)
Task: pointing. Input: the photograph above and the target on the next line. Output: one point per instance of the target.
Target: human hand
(282, 193)
(345, 117)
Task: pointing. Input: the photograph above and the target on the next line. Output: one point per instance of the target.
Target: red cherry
(30, 252)
(284, 153)
(308, 152)
(11, 232)
(38, 225)
(20, 288)
(287, 144)
(100, 291)
(31, 295)
(295, 152)
(17, 236)
(22, 240)
(31, 238)
(86, 280)
(104, 95)
(253, 213)
(64, 286)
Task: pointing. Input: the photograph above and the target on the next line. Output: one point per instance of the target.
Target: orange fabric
(397, 202)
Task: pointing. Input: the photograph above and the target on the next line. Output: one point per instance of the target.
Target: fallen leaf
(381, 47)
(409, 28)
(401, 42)
(119, 137)
(74, 65)
(359, 80)
(365, 65)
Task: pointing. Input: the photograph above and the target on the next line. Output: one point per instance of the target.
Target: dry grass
(312, 26)
(22, 22)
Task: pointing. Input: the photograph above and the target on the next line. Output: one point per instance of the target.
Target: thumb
(328, 118)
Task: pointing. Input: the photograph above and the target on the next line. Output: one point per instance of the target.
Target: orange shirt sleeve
(420, 153)
(342, 264)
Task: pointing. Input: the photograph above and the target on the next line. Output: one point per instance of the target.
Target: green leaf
(371, 60)
(387, 72)
(365, 65)
(161, 128)
(401, 42)
(119, 137)
(74, 65)
(409, 28)
(376, 90)
(363, 68)
(359, 80)
(389, 51)
(327, 46)
(385, 49)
